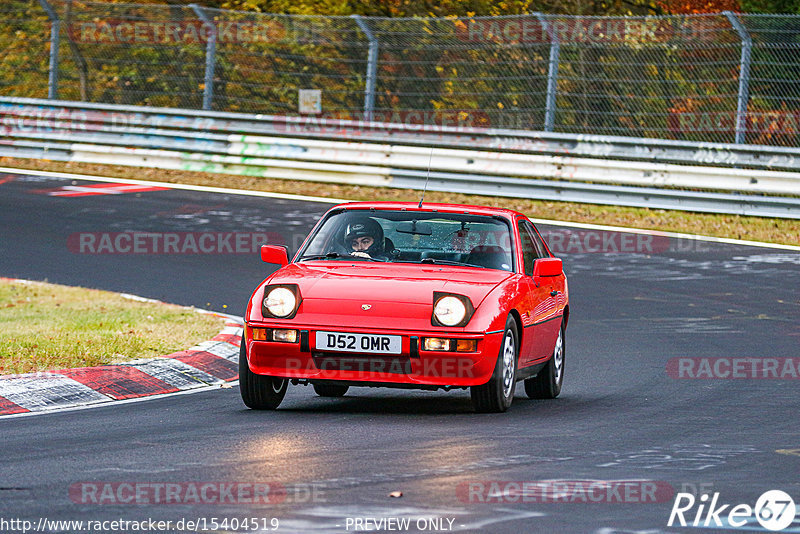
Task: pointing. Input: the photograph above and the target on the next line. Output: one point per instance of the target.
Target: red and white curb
(210, 363)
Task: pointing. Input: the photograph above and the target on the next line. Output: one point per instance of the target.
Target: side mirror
(275, 254)
(547, 267)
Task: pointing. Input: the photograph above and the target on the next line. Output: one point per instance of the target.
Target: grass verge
(46, 327)
(783, 231)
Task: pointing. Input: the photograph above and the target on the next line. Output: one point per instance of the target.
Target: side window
(537, 240)
(529, 252)
(532, 246)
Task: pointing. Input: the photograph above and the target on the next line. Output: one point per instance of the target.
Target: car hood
(377, 295)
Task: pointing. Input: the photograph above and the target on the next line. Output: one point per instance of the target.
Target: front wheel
(547, 384)
(259, 392)
(496, 395)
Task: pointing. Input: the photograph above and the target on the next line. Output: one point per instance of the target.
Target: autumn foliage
(694, 7)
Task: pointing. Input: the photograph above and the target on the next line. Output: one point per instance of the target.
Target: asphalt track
(621, 416)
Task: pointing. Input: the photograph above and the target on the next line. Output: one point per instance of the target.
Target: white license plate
(371, 343)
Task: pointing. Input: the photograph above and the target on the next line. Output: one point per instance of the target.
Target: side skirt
(531, 370)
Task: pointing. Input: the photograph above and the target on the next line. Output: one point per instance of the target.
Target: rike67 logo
(774, 510)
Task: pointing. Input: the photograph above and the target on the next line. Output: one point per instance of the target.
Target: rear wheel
(259, 392)
(496, 395)
(330, 390)
(547, 384)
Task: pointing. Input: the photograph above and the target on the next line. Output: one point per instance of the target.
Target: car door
(537, 301)
(550, 310)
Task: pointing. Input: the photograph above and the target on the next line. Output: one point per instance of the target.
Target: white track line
(675, 235)
(202, 188)
(287, 196)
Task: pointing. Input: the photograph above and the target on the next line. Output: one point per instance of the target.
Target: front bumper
(413, 366)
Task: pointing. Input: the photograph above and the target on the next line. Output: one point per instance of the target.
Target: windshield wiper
(336, 255)
(437, 261)
(328, 256)
(370, 258)
(442, 261)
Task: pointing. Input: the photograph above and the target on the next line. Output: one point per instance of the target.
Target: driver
(363, 237)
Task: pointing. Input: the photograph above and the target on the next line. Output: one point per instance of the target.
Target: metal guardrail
(22, 114)
(496, 162)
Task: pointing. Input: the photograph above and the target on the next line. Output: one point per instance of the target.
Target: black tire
(497, 394)
(547, 384)
(330, 390)
(259, 392)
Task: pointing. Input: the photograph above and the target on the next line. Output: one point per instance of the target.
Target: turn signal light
(259, 334)
(466, 345)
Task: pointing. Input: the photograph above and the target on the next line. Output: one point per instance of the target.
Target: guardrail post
(372, 67)
(744, 76)
(552, 74)
(55, 43)
(211, 54)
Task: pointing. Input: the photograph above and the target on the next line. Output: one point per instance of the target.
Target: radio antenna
(427, 175)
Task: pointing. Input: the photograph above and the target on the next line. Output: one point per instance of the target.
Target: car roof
(430, 206)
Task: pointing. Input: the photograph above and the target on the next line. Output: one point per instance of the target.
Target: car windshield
(401, 236)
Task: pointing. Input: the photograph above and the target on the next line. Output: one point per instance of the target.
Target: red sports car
(409, 296)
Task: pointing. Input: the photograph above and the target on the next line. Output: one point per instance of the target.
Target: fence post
(552, 74)
(372, 67)
(744, 76)
(55, 43)
(211, 53)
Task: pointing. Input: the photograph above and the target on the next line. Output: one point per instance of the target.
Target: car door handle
(553, 293)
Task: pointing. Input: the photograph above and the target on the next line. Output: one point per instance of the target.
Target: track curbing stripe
(222, 368)
(37, 392)
(8, 407)
(119, 381)
(176, 373)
